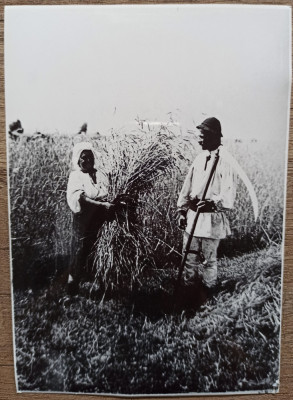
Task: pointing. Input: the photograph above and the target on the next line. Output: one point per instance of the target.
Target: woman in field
(87, 192)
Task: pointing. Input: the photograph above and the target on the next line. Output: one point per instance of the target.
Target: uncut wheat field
(122, 333)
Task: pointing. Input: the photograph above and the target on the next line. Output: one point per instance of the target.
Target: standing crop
(148, 166)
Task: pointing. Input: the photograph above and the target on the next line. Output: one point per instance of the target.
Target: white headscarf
(76, 152)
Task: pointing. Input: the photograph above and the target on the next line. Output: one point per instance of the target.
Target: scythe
(237, 169)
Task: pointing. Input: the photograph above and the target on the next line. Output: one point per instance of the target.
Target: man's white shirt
(222, 190)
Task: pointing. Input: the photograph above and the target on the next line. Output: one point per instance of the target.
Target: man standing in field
(212, 224)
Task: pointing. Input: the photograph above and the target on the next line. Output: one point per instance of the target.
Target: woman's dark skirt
(86, 226)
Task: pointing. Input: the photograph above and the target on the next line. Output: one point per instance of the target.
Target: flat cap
(212, 125)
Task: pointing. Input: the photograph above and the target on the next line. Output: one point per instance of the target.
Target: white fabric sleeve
(184, 196)
(228, 187)
(74, 190)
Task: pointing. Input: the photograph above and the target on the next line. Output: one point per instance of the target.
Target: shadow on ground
(155, 302)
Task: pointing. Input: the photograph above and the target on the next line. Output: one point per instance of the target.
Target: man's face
(208, 140)
(86, 160)
(204, 139)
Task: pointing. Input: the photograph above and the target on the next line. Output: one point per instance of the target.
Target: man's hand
(205, 206)
(182, 222)
(192, 204)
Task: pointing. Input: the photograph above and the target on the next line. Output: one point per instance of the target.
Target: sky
(108, 65)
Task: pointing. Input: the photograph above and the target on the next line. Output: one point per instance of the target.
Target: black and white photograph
(147, 150)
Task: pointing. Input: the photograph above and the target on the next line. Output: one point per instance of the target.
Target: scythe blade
(238, 169)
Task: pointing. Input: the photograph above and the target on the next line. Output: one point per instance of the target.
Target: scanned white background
(7, 385)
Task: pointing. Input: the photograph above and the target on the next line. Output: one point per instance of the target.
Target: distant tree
(15, 127)
(15, 130)
(83, 129)
(40, 135)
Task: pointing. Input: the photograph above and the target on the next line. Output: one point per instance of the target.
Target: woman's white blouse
(80, 182)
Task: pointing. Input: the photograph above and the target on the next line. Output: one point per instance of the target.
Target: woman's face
(86, 161)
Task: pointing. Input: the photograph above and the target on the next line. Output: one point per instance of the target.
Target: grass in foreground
(78, 345)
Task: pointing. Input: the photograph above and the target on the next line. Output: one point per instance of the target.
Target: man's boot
(212, 293)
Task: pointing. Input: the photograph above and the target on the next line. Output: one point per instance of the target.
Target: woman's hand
(109, 206)
(104, 205)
